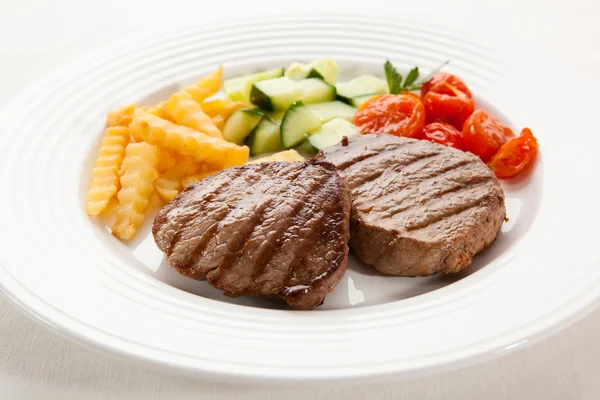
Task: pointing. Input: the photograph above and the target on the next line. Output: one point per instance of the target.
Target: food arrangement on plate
(401, 170)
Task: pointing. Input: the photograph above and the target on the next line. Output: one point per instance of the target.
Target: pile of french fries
(164, 148)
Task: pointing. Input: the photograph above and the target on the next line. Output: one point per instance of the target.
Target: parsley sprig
(397, 84)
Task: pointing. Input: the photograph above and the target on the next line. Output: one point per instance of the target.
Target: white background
(37, 35)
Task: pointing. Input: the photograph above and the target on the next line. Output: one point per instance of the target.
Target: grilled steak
(417, 207)
(272, 229)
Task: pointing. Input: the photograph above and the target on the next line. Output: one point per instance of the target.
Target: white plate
(70, 273)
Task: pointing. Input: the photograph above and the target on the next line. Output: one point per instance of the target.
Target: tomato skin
(443, 77)
(399, 115)
(453, 108)
(442, 133)
(514, 155)
(483, 135)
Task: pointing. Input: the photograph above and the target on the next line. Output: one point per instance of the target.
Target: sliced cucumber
(315, 90)
(265, 138)
(238, 89)
(357, 101)
(240, 124)
(275, 94)
(332, 133)
(306, 149)
(275, 116)
(332, 109)
(297, 71)
(324, 68)
(365, 84)
(297, 122)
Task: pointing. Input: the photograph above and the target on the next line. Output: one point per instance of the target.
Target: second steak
(417, 207)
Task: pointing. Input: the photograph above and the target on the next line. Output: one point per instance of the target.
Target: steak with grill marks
(272, 229)
(417, 207)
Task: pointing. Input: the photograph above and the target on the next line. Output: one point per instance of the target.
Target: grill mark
(187, 219)
(390, 147)
(447, 211)
(372, 177)
(395, 212)
(443, 170)
(396, 169)
(203, 239)
(227, 263)
(407, 149)
(318, 222)
(298, 261)
(199, 247)
(232, 255)
(263, 259)
(438, 174)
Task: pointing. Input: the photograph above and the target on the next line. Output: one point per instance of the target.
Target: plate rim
(71, 333)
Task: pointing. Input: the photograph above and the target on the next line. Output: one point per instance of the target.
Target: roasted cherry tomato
(514, 155)
(400, 115)
(442, 78)
(442, 133)
(445, 103)
(483, 135)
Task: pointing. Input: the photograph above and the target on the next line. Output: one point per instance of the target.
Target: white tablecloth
(40, 34)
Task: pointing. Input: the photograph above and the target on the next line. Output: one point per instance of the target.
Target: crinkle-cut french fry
(135, 131)
(138, 174)
(287, 155)
(185, 111)
(166, 159)
(218, 121)
(189, 142)
(105, 176)
(190, 180)
(223, 107)
(169, 184)
(122, 116)
(207, 86)
(159, 111)
(134, 127)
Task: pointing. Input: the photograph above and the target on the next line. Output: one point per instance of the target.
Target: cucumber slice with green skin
(278, 94)
(332, 109)
(275, 94)
(313, 73)
(240, 124)
(297, 122)
(306, 149)
(238, 89)
(324, 68)
(265, 138)
(315, 90)
(358, 101)
(332, 132)
(365, 84)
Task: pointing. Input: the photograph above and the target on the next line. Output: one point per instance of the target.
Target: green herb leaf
(411, 77)
(394, 79)
(432, 73)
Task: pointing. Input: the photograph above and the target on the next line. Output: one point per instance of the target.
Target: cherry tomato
(400, 115)
(483, 135)
(445, 103)
(442, 133)
(514, 155)
(442, 77)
